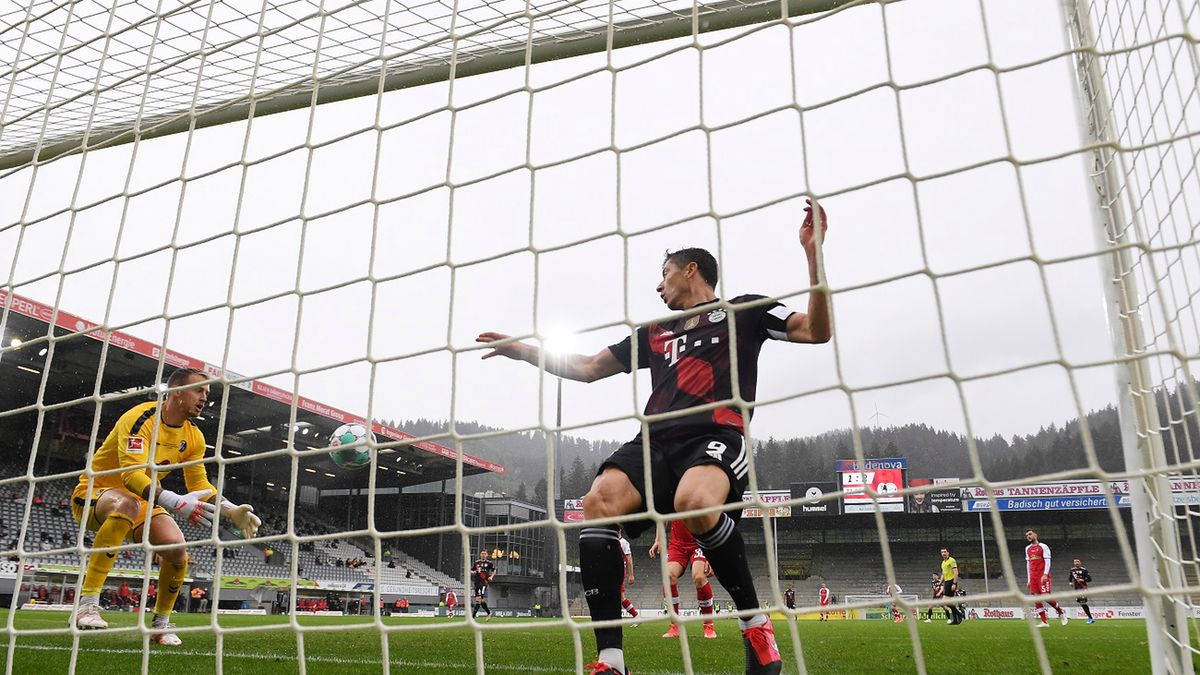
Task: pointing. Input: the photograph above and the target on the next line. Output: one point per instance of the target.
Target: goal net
(884, 606)
(320, 205)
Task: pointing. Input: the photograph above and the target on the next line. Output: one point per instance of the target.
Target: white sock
(160, 621)
(756, 620)
(613, 657)
(89, 600)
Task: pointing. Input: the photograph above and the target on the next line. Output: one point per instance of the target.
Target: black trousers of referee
(948, 591)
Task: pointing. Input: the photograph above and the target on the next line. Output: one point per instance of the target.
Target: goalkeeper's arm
(241, 515)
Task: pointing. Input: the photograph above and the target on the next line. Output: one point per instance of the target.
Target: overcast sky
(894, 248)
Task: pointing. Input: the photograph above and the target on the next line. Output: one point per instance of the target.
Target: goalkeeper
(150, 434)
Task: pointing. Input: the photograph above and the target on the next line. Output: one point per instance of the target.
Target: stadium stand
(848, 559)
(858, 569)
(51, 532)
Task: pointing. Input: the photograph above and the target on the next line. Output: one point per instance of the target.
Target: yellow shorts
(80, 497)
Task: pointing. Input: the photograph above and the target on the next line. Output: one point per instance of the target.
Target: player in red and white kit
(823, 597)
(895, 590)
(627, 573)
(1037, 557)
(682, 550)
(451, 602)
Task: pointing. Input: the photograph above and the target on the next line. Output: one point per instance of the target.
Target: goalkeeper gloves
(191, 507)
(242, 517)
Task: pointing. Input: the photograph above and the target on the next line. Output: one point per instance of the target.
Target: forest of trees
(931, 453)
(524, 455)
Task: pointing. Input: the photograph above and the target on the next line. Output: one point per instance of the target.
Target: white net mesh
(336, 259)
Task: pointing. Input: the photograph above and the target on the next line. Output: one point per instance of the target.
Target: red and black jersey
(482, 572)
(1080, 577)
(690, 364)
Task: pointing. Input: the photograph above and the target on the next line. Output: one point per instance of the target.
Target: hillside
(931, 453)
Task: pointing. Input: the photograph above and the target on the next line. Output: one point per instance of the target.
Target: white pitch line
(459, 666)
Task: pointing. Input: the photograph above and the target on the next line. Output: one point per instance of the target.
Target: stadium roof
(256, 418)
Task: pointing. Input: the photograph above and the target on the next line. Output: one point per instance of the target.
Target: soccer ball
(351, 458)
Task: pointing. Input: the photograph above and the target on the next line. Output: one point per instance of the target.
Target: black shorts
(481, 590)
(1082, 600)
(948, 589)
(671, 457)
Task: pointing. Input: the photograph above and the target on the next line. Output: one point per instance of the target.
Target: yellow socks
(170, 579)
(112, 533)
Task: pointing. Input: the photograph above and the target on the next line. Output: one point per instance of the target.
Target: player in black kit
(698, 460)
(482, 573)
(1080, 578)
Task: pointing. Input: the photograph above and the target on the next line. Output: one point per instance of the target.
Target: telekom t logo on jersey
(674, 348)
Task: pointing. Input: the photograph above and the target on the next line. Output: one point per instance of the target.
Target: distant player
(451, 602)
(938, 590)
(1080, 578)
(894, 590)
(482, 573)
(789, 597)
(153, 433)
(626, 574)
(823, 598)
(1037, 556)
(682, 553)
(950, 587)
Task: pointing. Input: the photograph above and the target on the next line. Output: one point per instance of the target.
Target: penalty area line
(316, 658)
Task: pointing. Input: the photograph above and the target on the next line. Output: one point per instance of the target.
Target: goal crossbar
(363, 78)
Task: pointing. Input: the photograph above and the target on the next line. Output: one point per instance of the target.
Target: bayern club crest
(716, 316)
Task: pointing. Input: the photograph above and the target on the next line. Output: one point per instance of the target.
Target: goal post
(856, 605)
(1126, 228)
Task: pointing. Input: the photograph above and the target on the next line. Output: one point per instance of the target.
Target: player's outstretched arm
(195, 476)
(815, 326)
(191, 507)
(656, 546)
(242, 516)
(578, 367)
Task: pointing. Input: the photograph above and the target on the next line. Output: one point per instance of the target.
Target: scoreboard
(875, 483)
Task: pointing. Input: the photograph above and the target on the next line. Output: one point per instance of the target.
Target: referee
(950, 586)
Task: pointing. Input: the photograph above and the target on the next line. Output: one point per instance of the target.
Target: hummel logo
(111, 555)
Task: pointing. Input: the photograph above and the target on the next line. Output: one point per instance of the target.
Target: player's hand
(629, 581)
(808, 228)
(512, 350)
(191, 507)
(654, 549)
(708, 571)
(243, 518)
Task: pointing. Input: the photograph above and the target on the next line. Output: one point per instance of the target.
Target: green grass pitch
(353, 645)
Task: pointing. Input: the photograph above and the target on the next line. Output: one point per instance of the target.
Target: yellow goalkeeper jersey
(129, 442)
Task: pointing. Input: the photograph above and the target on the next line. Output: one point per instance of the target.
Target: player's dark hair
(705, 262)
(180, 377)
